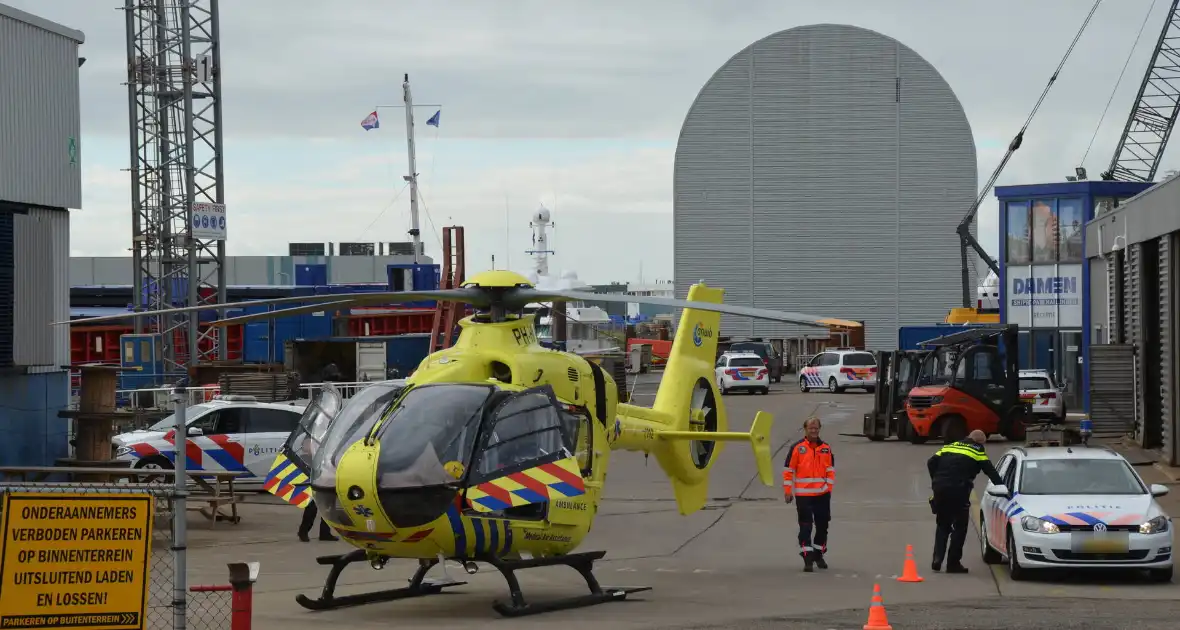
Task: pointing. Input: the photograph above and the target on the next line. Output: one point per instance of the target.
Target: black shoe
(807, 560)
(936, 566)
(819, 560)
(328, 538)
(956, 568)
(303, 537)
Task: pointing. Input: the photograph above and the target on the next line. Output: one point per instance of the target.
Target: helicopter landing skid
(328, 599)
(583, 563)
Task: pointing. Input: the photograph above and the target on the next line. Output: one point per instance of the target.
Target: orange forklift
(969, 380)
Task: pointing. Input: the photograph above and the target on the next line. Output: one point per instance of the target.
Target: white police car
(838, 370)
(1074, 507)
(231, 433)
(742, 371)
(1038, 389)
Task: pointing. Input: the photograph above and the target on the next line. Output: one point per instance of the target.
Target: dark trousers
(952, 514)
(309, 514)
(814, 511)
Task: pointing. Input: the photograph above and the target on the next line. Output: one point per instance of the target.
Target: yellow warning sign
(76, 561)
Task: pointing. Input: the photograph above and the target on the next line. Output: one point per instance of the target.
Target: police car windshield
(430, 430)
(753, 348)
(1034, 382)
(1079, 476)
(859, 359)
(745, 362)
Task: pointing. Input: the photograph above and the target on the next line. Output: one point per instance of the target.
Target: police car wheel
(1015, 571)
(1160, 575)
(832, 386)
(156, 462)
(803, 385)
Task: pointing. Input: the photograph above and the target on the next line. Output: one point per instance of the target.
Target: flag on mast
(371, 122)
(433, 121)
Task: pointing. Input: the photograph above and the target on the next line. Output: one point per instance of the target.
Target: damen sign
(1044, 296)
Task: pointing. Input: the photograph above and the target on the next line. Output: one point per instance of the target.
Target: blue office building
(1044, 278)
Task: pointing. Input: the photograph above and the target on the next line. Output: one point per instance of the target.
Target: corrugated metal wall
(824, 169)
(1168, 331)
(40, 119)
(41, 247)
(1115, 332)
(1112, 394)
(1132, 299)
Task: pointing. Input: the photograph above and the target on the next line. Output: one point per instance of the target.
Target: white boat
(589, 329)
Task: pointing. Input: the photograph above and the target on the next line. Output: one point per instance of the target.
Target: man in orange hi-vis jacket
(809, 474)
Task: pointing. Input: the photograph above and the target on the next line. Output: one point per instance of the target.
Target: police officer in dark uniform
(952, 476)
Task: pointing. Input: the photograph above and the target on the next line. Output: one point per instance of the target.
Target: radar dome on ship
(541, 215)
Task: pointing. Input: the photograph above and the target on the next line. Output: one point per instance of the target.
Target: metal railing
(159, 399)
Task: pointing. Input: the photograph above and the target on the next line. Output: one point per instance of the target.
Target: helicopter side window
(579, 425)
(526, 428)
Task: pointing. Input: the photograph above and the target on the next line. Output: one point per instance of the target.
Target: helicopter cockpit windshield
(429, 437)
(331, 425)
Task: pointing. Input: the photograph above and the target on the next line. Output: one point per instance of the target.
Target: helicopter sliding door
(525, 457)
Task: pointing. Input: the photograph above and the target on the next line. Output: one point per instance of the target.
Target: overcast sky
(574, 104)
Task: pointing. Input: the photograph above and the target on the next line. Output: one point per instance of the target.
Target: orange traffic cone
(909, 571)
(878, 620)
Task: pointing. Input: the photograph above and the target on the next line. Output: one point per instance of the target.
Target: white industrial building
(40, 181)
(1133, 251)
(824, 169)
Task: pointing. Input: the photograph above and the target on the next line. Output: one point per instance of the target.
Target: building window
(1019, 245)
(1044, 230)
(1070, 228)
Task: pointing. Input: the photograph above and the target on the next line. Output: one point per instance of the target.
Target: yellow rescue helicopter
(496, 449)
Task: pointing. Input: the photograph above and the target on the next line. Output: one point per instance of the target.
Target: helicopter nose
(415, 507)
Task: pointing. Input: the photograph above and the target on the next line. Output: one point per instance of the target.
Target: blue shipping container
(908, 337)
(311, 275)
(405, 352)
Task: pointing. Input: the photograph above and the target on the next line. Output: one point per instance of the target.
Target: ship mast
(412, 178)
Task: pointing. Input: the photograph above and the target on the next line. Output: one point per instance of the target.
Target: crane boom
(1145, 136)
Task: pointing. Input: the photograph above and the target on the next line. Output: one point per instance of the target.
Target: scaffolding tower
(177, 195)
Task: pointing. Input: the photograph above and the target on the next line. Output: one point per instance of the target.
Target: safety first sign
(75, 561)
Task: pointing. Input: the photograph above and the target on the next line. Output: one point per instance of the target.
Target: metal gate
(1113, 393)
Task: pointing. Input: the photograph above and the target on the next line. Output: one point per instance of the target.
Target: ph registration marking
(77, 561)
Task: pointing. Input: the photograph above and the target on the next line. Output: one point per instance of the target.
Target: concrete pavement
(726, 566)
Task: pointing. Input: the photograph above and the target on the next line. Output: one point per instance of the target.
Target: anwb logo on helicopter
(700, 334)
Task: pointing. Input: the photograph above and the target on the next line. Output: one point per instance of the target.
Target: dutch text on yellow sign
(77, 561)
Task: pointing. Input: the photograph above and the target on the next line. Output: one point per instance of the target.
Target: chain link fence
(207, 608)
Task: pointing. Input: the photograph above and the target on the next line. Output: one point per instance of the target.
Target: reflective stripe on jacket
(810, 469)
(955, 466)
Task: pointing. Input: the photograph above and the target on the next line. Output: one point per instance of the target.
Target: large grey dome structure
(824, 169)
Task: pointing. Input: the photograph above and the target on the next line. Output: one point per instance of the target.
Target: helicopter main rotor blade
(532, 295)
(284, 312)
(462, 296)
